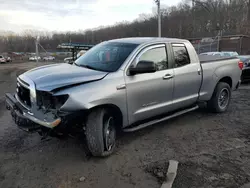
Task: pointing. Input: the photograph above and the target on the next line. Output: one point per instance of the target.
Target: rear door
(188, 77)
(150, 94)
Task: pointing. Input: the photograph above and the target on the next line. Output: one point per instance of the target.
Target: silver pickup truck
(123, 84)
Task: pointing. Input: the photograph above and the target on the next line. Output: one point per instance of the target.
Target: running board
(141, 126)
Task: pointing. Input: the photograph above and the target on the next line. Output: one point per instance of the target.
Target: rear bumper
(25, 119)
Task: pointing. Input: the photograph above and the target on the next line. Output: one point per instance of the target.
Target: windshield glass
(235, 54)
(106, 57)
(226, 54)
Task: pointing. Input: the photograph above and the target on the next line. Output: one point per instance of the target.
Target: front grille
(24, 95)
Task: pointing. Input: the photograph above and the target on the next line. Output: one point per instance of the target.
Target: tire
(97, 131)
(215, 104)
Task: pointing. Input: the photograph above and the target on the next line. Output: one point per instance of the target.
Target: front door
(150, 94)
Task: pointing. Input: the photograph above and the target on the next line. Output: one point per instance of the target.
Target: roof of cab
(143, 40)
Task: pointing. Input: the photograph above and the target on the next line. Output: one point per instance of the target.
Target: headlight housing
(47, 101)
(59, 100)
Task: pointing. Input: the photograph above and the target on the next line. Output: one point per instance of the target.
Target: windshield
(230, 53)
(106, 57)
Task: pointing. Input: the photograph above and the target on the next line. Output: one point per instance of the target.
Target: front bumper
(24, 118)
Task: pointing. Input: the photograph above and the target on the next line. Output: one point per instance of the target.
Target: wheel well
(113, 109)
(227, 80)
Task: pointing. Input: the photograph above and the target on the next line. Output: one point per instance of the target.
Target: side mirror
(143, 67)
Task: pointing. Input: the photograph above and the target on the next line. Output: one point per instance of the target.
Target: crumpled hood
(50, 77)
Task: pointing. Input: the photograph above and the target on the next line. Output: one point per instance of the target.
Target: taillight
(241, 65)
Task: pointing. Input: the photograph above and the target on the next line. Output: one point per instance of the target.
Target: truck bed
(210, 58)
(214, 68)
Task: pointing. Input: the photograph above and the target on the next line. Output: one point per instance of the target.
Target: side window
(158, 56)
(181, 56)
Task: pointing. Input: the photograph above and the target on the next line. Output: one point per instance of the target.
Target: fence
(237, 43)
(203, 47)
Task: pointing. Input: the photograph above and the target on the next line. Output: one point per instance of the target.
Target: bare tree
(203, 19)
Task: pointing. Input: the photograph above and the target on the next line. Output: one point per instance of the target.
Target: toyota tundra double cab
(124, 84)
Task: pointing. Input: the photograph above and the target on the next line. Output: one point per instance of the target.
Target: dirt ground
(212, 149)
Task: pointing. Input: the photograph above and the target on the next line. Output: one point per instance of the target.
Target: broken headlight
(59, 100)
(47, 101)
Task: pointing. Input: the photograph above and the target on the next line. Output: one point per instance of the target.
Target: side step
(141, 126)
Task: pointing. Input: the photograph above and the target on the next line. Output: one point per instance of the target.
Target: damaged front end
(39, 111)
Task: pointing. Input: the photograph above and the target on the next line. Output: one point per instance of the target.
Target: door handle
(168, 76)
(199, 71)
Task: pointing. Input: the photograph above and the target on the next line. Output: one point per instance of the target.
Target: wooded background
(204, 19)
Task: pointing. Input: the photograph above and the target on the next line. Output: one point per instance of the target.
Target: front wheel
(221, 98)
(101, 132)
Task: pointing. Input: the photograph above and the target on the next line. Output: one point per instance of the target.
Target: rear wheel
(221, 98)
(101, 132)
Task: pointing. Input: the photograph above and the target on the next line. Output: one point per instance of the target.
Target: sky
(71, 15)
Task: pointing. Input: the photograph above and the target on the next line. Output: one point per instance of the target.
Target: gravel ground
(212, 149)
